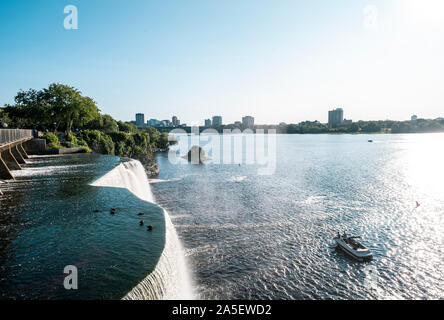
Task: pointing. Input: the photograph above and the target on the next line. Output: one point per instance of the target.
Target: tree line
(386, 126)
(316, 127)
(70, 119)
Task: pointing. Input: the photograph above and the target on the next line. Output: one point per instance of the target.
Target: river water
(249, 236)
(244, 235)
(52, 217)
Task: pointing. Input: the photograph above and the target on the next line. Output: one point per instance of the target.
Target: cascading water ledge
(170, 279)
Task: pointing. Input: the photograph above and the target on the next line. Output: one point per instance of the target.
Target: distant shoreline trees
(386, 126)
(315, 127)
(62, 108)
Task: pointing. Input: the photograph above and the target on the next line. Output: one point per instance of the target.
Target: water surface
(48, 221)
(269, 237)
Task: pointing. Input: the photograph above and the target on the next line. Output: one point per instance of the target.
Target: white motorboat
(353, 248)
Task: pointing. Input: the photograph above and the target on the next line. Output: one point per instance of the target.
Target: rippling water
(51, 217)
(270, 237)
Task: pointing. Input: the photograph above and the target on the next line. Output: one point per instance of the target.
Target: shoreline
(326, 133)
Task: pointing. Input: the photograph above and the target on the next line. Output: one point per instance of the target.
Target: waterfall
(170, 280)
(129, 175)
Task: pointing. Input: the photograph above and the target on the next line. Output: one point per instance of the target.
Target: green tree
(98, 141)
(109, 124)
(127, 127)
(163, 141)
(30, 110)
(68, 107)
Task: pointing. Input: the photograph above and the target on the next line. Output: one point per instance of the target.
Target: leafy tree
(98, 141)
(123, 142)
(154, 136)
(142, 139)
(72, 141)
(58, 106)
(52, 140)
(354, 127)
(127, 127)
(30, 110)
(109, 124)
(68, 107)
(163, 141)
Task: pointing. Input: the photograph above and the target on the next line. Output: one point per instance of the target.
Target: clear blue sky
(277, 60)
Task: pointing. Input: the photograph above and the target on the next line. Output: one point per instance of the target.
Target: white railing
(13, 135)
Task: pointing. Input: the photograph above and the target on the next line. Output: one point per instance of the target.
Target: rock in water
(196, 155)
(150, 165)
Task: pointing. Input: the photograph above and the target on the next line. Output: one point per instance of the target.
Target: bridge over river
(12, 151)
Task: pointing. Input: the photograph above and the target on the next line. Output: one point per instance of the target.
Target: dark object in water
(97, 210)
(140, 214)
(196, 155)
(112, 211)
(142, 222)
(150, 228)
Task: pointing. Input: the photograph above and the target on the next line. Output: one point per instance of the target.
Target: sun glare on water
(423, 163)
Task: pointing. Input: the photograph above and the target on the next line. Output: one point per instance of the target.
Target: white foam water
(152, 181)
(237, 179)
(129, 175)
(170, 280)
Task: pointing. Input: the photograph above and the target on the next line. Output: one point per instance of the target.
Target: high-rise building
(217, 121)
(175, 120)
(207, 122)
(248, 121)
(153, 123)
(167, 123)
(335, 117)
(140, 119)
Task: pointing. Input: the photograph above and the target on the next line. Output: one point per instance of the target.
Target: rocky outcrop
(152, 170)
(150, 165)
(196, 155)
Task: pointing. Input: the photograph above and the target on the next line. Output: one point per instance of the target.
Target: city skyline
(286, 62)
(336, 118)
